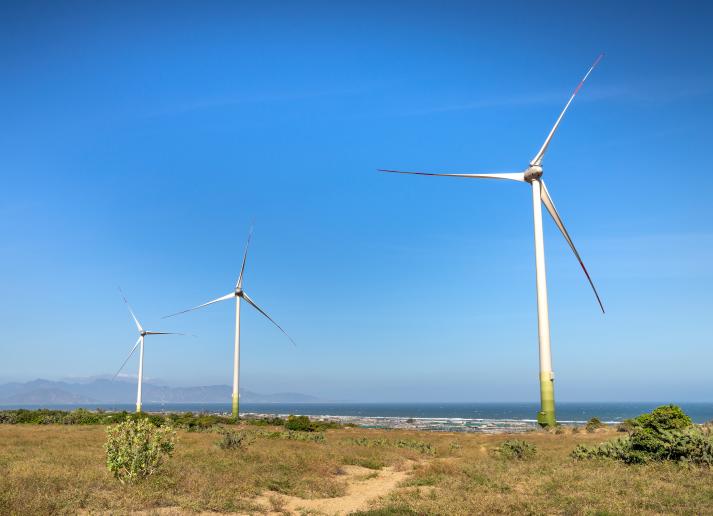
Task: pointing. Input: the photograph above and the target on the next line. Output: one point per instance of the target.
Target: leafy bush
(516, 449)
(265, 421)
(593, 424)
(299, 424)
(136, 448)
(232, 440)
(667, 417)
(305, 424)
(666, 434)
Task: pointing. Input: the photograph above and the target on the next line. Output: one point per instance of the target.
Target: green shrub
(666, 434)
(265, 421)
(305, 424)
(136, 448)
(232, 440)
(667, 417)
(593, 424)
(516, 449)
(299, 424)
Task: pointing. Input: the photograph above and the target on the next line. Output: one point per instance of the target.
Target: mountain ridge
(102, 390)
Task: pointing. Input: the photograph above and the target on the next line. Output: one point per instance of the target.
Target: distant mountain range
(103, 390)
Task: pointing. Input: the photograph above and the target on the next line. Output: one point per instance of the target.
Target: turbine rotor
(533, 173)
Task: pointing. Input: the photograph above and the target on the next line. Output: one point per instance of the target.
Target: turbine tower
(238, 293)
(533, 175)
(139, 344)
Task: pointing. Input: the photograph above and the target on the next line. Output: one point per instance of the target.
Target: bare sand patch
(363, 485)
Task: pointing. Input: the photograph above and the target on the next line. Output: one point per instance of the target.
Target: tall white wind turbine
(139, 344)
(533, 175)
(238, 293)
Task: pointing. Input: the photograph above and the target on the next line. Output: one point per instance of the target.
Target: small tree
(136, 448)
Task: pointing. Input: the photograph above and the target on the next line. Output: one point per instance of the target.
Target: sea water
(468, 417)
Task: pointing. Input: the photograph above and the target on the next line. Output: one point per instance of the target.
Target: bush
(666, 434)
(667, 417)
(232, 440)
(304, 424)
(136, 448)
(516, 449)
(298, 424)
(593, 424)
(265, 421)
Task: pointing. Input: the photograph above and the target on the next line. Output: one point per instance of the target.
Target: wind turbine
(533, 175)
(238, 293)
(139, 344)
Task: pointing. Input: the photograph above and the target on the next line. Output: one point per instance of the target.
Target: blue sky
(137, 143)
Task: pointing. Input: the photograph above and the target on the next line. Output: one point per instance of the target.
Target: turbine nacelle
(532, 173)
(239, 292)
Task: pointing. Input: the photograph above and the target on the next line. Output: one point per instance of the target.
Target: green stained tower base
(235, 406)
(546, 416)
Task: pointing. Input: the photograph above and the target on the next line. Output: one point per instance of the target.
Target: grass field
(46, 469)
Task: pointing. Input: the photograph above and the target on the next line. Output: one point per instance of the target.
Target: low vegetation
(593, 425)
(136, 449)
(54, 468)
(232, 440)
(184, 420)
(666, 434)
(516, 449)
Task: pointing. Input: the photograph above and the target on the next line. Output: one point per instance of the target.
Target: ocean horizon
(443, 416)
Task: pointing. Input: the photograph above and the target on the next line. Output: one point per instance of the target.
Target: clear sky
(137, 143)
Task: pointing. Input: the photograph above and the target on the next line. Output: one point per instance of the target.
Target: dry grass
(60, 469)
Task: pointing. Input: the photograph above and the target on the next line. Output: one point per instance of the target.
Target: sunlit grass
(61, 469)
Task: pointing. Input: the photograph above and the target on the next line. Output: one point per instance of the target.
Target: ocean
(464, 417)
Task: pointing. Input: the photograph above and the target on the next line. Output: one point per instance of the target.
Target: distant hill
(102, 390)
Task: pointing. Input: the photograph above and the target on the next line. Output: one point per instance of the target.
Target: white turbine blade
(127, 358)
(239, 284)
(223, 298)
(537, 160)
(250, 301)
(138, 325)
(512, 176)
(547, 201)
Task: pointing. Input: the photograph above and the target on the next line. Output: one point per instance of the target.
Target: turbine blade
(537, 160)
(547, 201)
(250, 301)
(223, 298)
(138, 325)
(513, 176)
(163, 333)
(127, 358)
(239, 284)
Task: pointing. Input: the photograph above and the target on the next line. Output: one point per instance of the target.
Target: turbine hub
(143, 333)
(239, 292)
(532, 173)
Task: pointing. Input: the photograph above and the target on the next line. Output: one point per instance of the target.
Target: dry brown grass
(60, 469)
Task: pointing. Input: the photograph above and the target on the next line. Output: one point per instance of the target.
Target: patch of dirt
(363, 485)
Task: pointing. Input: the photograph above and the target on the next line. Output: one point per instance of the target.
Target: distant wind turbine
(533, 175)
(139, 344)
(238, 293)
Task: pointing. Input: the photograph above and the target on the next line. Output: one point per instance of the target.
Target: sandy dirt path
(363, 485)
